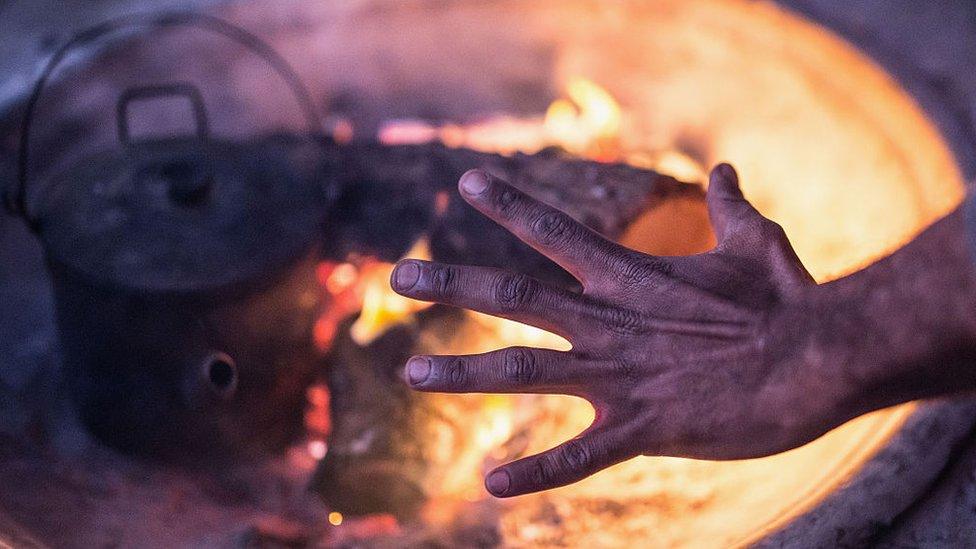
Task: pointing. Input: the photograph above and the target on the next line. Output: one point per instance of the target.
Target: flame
(491, 424)
(510, 333)
(382, 308)
(362, 285)
(586, 122)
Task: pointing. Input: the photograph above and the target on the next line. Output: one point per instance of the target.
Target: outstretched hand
(683, 356)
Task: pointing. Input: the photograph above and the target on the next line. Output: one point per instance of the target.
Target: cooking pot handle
(15, 198)
(145, 93)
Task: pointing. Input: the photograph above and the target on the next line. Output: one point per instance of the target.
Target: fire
(510, 333)
(382, 308)
(586, 122)
(491, 424)
(362, 285)
(491, 421)
(827, 145)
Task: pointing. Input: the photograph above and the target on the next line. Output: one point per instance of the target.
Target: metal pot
(183, 270)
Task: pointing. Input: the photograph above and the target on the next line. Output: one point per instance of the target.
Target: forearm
(903, 328)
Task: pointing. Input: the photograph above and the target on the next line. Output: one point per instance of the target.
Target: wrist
(813, 385)
(901, 329)
(853, 351)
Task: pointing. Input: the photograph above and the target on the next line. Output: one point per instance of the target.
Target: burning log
(376, 462)
(386, 447)
(394, 194)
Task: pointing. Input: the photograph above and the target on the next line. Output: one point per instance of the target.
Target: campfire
(614, 114)
(472, 433)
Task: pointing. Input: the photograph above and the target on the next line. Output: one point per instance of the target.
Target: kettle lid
(183, 215)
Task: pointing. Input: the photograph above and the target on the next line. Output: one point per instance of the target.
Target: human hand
(700, 356)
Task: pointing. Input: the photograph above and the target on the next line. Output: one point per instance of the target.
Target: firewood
(390, 195)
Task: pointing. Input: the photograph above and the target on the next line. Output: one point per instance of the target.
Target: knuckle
(575, 456)
(442, 280)
(515, 291)
(506, 200)
(554, 227)
(622, 321)
(567, 462)
(545, 471)
(521, 366)
(456, 372)
(640, 271)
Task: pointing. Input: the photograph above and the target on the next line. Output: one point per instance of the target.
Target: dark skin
(729, 354)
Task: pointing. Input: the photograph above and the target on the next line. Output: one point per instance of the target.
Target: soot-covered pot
(183, 275)
(183, 272)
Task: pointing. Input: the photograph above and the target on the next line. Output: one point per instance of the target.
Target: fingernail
(474, 182)
(498, 483)
(418, 368)
(406, 275)
(727, 172)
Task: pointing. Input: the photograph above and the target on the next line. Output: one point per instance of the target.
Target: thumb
(726, 204)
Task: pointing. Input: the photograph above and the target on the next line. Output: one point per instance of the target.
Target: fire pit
(554, 96)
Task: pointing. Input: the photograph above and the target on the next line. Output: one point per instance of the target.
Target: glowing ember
(317, 449)
(317, 419)
(341, 278)
(335, 519)
(340, 128)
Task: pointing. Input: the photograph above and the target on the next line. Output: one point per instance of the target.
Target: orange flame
(586, 122)
(362, 285)
(382, 308)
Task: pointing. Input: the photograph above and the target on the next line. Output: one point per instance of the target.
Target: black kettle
(183, 270)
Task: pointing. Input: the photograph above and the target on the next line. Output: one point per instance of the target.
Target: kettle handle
(15, 197)
(144, 93)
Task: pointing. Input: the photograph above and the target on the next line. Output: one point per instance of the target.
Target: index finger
(573, 246)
